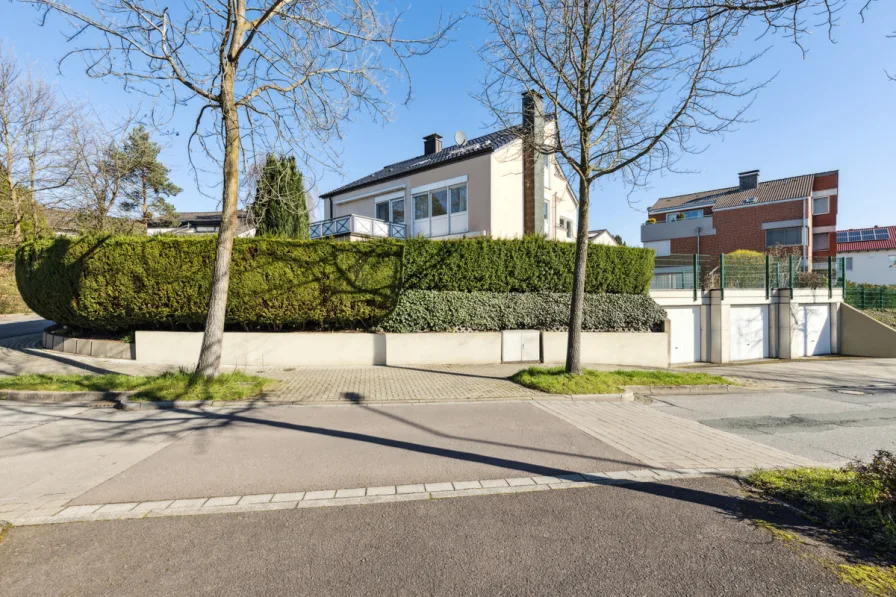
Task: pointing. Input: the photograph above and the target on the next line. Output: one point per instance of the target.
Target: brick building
(799, 212)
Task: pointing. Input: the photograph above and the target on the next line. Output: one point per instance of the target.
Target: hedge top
(127, 282)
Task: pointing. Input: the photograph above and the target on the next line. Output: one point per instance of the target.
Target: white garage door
(749, 333)
(685, 334)
(813, 330)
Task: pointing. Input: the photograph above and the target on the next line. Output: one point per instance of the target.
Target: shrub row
(451, 311)
(531, 264)
(116, 283)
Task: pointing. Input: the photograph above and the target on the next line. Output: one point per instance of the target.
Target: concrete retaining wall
(864, 336)
(311, 349)
(104, 349)
(307, 349)
(632, 349)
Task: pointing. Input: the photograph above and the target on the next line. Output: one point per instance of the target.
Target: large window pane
(382, 211)
(784, 236)
(820, 241)
(421, 207)
(439, 202)
(398, 211)
(821, 205)
(459, 199)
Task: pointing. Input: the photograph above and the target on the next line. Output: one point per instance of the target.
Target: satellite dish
(460, 137)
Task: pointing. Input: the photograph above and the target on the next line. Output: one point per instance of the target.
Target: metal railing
(360, 225)
(746, 270)
(870, 297)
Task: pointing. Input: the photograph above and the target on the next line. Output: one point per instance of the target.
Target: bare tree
(36, 152)
(271, 75)
(630, 86)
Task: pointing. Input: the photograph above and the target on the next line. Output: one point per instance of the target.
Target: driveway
(830, 426)
(828, 372)
(688, 538)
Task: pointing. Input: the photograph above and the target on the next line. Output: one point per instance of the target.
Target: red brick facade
(824, 183)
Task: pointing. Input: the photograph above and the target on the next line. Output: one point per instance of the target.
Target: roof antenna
(460, 138)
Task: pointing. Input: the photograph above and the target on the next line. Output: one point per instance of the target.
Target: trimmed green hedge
(125, 282)
(115, 283)
(432, 311)
(530, 264)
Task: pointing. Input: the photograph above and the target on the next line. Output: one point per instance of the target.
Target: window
(848, 261)
(547, 209)
(821, 241)
(382, 211)
(421, 207)
(566, 226)
(439, 203)
(397, 211)
(547, 171)
(784, 236)
(821, 205)
(458, 199)
(692, 214)
(892, 261)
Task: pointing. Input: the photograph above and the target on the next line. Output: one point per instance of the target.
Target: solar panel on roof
(842, 237)
(855, 236)
(881, 234)
(867, 234)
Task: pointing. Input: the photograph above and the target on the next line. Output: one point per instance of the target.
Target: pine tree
(280, 206)
(147, 182)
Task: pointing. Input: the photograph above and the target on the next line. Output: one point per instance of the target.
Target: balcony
(355, 225)
(677, 229)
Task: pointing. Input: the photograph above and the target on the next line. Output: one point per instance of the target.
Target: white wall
(871, 267)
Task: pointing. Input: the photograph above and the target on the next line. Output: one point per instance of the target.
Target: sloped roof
(455, 153)
(794, 187)
(869, 245)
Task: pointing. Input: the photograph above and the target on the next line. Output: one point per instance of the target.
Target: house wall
(826, 186)
(506, 209)
(741, 228)
(871, 267)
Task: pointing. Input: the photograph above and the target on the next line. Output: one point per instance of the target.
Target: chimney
(749, 179)
(432, 143)
(533, 163)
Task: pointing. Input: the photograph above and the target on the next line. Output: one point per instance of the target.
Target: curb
(702, 389)
(47, 397)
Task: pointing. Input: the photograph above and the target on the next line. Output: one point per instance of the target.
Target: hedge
(124, 282)
(451, 311)
(116, 283)
(531, 264)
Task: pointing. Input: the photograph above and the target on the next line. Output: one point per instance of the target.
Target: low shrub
(531, 264)
(422, 310)
(10, 299)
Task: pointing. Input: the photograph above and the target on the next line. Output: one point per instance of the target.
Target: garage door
(813, 330)
(685, 334)
(749, 333)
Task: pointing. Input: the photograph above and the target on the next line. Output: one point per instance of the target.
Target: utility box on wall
(519, 346)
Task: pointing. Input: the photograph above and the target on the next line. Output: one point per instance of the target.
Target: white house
(870, 254)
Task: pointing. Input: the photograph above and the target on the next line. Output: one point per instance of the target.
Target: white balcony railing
(360, 225)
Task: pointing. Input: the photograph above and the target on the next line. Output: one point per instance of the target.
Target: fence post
(863, 298)
(830, 277)
(768, 275)
(722, 274)
(880, 300)
(696, 259)
(790, 283)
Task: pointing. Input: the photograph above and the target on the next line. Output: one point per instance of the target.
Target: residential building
(200, 222)
(799, 212)
(495, 185)
(870, 254)
(602, 237)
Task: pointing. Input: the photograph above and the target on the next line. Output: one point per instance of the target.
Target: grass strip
(555, 380)
(170, 386)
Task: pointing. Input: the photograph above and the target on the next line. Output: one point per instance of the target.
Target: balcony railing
(677, 229)
(360, 225)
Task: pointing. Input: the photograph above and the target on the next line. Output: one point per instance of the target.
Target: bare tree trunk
(577, 306)
(213, 338)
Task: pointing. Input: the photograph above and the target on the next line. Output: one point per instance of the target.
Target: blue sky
(832, 109)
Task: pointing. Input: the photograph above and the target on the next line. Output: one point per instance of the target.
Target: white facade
(870, 267)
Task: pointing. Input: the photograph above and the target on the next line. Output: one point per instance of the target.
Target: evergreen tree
(280, 208)
(147, 182)
(619, 241)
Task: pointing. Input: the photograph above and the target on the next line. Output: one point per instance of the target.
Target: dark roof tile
(794, 187)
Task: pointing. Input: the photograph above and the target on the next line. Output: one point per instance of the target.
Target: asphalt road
(830, 426)
(689, 538)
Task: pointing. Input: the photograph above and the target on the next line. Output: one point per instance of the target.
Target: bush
(880, 472)
(745, 269)
(422, 310)
(115, 283)
(10, 299)
(530, 264)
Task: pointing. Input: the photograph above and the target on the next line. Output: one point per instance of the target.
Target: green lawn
(554, 380)
(164, 387)
(840, 499)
